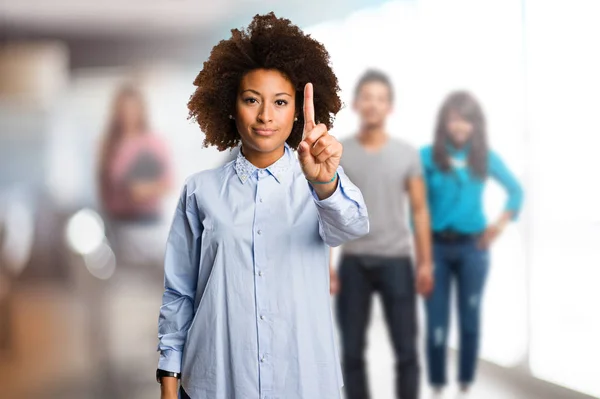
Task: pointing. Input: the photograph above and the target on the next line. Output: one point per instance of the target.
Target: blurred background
(92, 92)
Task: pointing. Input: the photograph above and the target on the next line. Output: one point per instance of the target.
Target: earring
(296, 119)
(230, 116)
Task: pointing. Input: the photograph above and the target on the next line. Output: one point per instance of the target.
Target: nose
(265, 114)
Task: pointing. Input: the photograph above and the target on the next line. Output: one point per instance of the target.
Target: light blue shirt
(246, 308)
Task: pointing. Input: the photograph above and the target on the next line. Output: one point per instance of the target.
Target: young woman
(134, 172)
(135, 175)
(246, 311)
(457, 168)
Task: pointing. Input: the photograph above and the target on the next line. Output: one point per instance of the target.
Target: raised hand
(319, 152)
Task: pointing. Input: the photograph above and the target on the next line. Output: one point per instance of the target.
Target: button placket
(263, 331)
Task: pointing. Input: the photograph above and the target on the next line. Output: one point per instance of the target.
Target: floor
(63, 348)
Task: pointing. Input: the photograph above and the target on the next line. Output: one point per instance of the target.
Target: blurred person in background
(134, 172)
(457, 167)
(245, 310)
(388, 173)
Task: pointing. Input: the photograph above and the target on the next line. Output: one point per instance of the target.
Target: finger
(315, 134)
(425, 290)
(304, 152)
(322, 142)
(429, 289)
(309, 108)
(327, 153)
(422, 286)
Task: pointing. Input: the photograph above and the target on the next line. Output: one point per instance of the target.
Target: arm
(343, 215)
(418, 201)
(507, 179)
(500, 172)
(416, 186)
(181, 274)
(340, 205)
(334, 282)
(324, 191)
(169, 387)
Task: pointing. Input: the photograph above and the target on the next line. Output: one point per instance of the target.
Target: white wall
(563, 64)
(430, 48)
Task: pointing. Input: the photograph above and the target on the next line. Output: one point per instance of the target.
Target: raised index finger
(309, 108)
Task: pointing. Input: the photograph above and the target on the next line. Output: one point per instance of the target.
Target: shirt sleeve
(500, 172)
(343, 216)
(424, 160)
(415, 168)
(182, 257)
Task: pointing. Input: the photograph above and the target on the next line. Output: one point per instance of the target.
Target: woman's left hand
(319, 152)
(489, 236)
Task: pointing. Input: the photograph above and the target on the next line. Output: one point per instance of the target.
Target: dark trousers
(182, 394)
(467, 265)
(360, 277)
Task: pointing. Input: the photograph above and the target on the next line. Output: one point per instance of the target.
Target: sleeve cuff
(331, 202)
(415, 173)
(345, 191)
(170, 360)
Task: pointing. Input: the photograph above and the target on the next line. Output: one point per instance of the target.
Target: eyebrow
(258, 94)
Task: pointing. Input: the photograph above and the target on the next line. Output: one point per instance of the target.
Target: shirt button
(260, 273)
(262, 359)
(260, 200)
(262, 317)
(259, 232)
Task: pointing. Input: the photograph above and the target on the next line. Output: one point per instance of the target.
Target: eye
(281, 103)
(250, 100)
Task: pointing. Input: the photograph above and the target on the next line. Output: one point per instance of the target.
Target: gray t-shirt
(382, 178)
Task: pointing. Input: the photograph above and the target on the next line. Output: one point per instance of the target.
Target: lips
(264, 132)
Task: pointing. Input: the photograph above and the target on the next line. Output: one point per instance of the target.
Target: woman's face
(459, 129)
(265, 110)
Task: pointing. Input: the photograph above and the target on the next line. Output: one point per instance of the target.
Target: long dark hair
(464, 104)
(114, 132)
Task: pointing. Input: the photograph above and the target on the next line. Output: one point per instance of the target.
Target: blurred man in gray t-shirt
(388, 173)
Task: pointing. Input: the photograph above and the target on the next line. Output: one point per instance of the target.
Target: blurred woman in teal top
(457, 168)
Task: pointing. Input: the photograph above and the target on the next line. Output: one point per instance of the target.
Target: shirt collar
(278, 170)
(458, 152)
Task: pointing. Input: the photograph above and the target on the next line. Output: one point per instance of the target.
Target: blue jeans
(468, 266)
